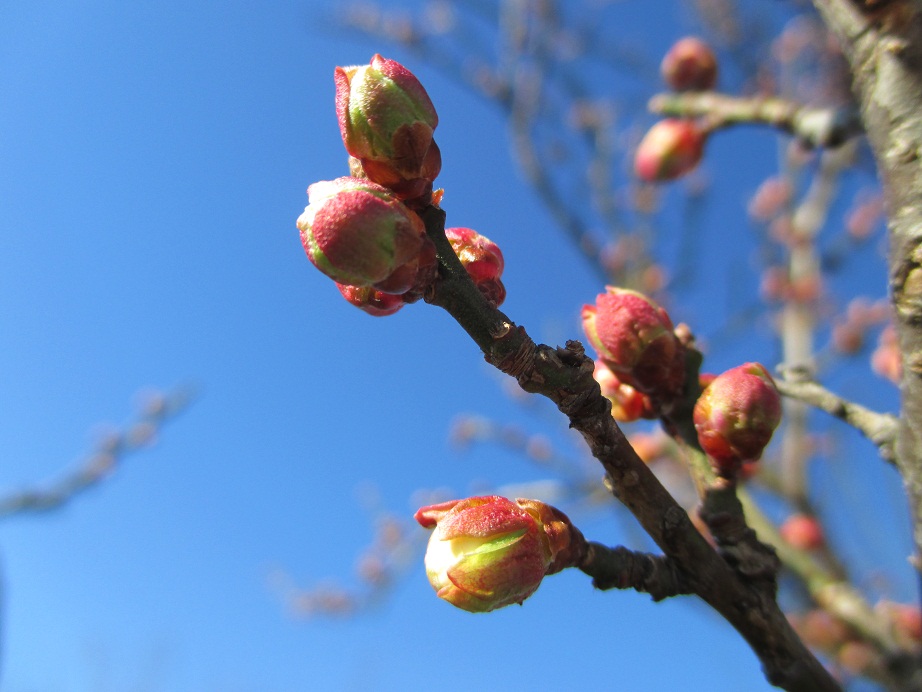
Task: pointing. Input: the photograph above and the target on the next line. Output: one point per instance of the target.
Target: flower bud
(489, 552)
(634, 338)
(690, 65)
(803, 532)
(482, 259)
(670, 149)
(736, 416)
(627, 404)
(386, 120)
(358, 233)
(369, 300)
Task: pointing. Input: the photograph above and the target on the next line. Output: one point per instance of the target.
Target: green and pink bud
(736, 416)
(482, 259)
(489, 552)
(690, 65)
(359, 234)
(387, 121)
(670, 149)
(634, 337)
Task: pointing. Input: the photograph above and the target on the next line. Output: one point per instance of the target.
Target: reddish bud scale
(627, 404)
(670, 149)
(489, 552)
(369, 300)
(736, 416)
(690, 65)
(634, 338)
(482, 259)
(803, 532)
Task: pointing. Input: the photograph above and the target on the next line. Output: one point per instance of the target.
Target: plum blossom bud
(736, 416)
(670, 149)
(627, 404)
(803, 532)
(386, 120)
(482, 259)
(489, 552)
(369, 300)
(358, 233)
(690, 65)
(634, 338)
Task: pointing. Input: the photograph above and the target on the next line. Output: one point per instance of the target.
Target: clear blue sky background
(153, 159)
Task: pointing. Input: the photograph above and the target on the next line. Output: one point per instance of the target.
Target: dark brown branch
(564, 375)
(879, 428)
(620, 568)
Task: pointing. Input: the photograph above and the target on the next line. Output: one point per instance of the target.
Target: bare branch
(103, 461)
(620, 568)
(879, 428)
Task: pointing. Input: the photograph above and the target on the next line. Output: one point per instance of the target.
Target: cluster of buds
(635, 339)
(387, 121)
(363, 231)
(483, 261)
(736, 415)
(489, 552)
(674, 146)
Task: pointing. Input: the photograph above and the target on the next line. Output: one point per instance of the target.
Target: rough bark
(883, 44)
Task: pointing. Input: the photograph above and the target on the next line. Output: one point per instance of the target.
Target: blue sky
(153, 159)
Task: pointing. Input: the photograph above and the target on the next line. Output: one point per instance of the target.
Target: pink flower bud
(690, 65)
(371, 301)
(634, 337)
(803, 532)
(482, 259)
(489, 552)
(627, 404)
(736, 416)
(670, 149)
(386, 120)
(358, 233)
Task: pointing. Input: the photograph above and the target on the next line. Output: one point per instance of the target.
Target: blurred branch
(879, 428)
(156, 411)
(815, 127)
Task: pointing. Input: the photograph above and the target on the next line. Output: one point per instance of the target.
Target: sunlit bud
(690, 65)
(386, 120)
(482, 259)
(670, 149)
(887, 360)
(803, 532)
(627, 404)
(359, 234)
(736, 416)
(634, 337)
(371, 301)
(489, 552)
(906, 619)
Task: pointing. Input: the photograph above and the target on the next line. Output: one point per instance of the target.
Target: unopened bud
(386, 120)
(736, 416)
(634, 338)
(369, 300)
(358, 233)
(489, 552)
(670, 149)
(803, 532)
(482, 259)
(690, 65)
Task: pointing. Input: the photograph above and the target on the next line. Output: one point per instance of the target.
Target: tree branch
(879, 428)
(564, 375)
(621, 568)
